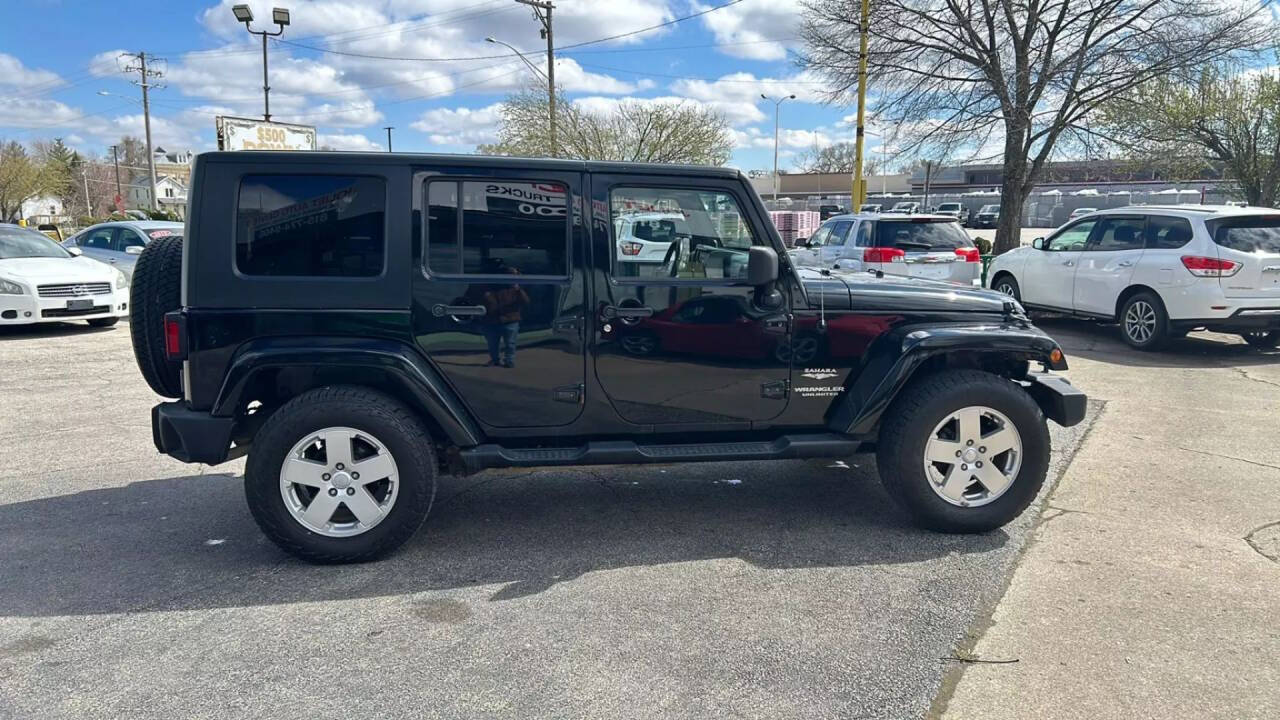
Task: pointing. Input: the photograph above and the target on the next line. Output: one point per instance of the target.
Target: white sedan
(41, 282)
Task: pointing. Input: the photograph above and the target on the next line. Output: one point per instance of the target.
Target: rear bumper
(191, 436)
(1060, 401)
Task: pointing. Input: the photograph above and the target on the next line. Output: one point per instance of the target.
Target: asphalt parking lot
(136, 586)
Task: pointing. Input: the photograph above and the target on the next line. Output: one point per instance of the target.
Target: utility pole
(115, 158)
(389, 128)
(542, 10)
(88, 204)
(776, 104)
(860, 185)
(143, 81)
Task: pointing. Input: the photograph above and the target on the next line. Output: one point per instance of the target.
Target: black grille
(67, 312)
(70, 290)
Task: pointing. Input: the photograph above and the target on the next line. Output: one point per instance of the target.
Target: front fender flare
(416, 380)
(895, 358)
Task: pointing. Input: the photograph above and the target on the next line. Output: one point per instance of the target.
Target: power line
(631, 33)
(700, 77)
(428, 96)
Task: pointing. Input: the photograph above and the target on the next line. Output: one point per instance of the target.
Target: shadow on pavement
(188, 543)
(1101, 342)
(50, 330)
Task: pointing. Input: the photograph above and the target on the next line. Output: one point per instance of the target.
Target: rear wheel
(963, 451)
(1006, 285)
(103, 322)
(1144, 324)
(340, 474)
(1262, 339)
(155, 290)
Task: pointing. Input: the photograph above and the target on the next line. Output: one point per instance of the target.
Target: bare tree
(632, 132)
(836, 158)
(22, 178)
(962, 76)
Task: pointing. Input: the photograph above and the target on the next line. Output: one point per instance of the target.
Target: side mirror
(133, 250)
(762, 266)
(75, 251)
(1038, 243)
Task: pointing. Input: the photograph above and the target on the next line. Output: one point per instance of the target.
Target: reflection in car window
(711, 243)
(1167, 233)
(839, 231)
(18, 242)
(819, 238)
(921, 235)
(1115, 234)
(1247, 234)
(506, 226)
(1071, 238)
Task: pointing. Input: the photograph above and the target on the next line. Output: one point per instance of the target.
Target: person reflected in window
(503, 305)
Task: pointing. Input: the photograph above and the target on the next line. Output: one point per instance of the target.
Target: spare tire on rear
(155, 290)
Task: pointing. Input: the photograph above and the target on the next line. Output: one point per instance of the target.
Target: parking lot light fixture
(776, 104)
(243, 13)
(280, 16)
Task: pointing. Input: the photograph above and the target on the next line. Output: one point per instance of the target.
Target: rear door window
(1118, 233)
(1167, 233)
(1256, 234)
(311, 226)
(921, 235)
(499, 227)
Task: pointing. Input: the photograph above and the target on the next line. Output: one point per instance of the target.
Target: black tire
(1144, 306)
(103, 322)
(1006, 285)
(156, 289)
(919, 409)
(1263, 339)
(393, 424)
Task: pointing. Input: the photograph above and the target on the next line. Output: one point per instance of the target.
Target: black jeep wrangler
(359, 323)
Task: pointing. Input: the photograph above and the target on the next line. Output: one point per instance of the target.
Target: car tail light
(175, 336)
(1210, 267)
(969, 254)
(883, 255)
(631, 248)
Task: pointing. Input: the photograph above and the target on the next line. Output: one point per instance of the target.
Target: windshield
(949, 206)
(990, 208)
(1257, 234)
(16, 242)
(922, 235)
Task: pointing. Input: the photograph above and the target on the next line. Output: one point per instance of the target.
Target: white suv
(932, 247)
(1160, 272)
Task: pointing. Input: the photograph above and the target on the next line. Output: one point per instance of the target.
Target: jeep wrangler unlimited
(359, 323)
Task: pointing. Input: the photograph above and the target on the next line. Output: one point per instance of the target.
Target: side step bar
(626, 452)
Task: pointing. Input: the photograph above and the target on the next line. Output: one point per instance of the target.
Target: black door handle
(458, 310)
(610, 312)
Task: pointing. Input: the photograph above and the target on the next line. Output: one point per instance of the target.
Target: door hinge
(776, 390)
(567, 393)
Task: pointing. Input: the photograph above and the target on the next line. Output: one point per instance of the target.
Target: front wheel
(1006, 285)
(1262, 339)
(963, 451)
(340, 474)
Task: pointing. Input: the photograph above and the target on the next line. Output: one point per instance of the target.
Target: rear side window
(921, 235)
(1258, 234)
(1167, 233)
(497, 227)
(311, 226)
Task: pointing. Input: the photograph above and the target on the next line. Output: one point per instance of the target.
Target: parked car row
(1160, 272)
(41, 281)
(932, 247)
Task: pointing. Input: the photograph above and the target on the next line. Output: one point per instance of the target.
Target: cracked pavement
(1151, 588)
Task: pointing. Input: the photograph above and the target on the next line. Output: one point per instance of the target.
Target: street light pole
(777, 104)
(860, 185)
(542, 10)
(551, 85)
(115, 158)
(389, 128)
(280, 16)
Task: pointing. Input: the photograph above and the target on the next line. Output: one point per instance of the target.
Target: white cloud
(14, 74)
(751, 22)
(355, 141)
(460, 126)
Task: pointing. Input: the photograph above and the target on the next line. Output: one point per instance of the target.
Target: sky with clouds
(350, 67)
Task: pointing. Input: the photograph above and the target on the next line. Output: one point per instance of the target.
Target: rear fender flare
(417, 383)
(894, 359)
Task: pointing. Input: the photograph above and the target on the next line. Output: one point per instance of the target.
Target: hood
(892, 293)
(51, 270)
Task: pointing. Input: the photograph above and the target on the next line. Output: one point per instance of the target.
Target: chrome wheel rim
(339, 482)
(1140, 321)
(972, 457)
(1005, 288)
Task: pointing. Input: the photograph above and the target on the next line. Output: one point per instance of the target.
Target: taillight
(631, 248)
(883, 255)
(969, 254)
(1210, 267)
(175, 336)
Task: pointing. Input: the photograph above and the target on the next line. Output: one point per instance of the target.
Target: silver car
(120, 243)
(932, 247)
